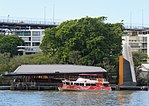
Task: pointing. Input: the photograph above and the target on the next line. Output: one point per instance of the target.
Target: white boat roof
(56, 68)
(79, 80)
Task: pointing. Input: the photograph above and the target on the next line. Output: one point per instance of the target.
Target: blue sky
(131, 11)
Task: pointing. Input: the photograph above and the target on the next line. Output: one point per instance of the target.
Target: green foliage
(139, 58)
(9, 44)
(9, 64)
(142, 81)
(86, 41)
(4, 62)
(1, 36)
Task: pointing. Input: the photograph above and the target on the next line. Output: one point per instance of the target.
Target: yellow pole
(121, 69)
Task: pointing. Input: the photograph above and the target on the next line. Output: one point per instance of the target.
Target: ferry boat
(86, 84)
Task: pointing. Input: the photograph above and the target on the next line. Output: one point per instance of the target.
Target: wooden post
(121, 69)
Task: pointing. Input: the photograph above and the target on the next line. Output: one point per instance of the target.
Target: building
(51, 75)
(32, 39)
(30, 30)
(8, 25)
(138, 43)
(138, 39)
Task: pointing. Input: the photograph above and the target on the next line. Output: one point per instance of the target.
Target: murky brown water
(53, 98)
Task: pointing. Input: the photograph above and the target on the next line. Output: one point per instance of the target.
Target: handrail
(33, 84)
(28, 21)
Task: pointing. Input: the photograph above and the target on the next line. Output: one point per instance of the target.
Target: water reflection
(135, 98)
(47, 98)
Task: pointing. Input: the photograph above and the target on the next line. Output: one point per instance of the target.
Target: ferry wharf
(47, 77)
(134, 88)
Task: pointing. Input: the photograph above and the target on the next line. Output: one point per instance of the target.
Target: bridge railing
(28, 20)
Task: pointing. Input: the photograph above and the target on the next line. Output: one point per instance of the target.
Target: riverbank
(41, 88)
(133, 88)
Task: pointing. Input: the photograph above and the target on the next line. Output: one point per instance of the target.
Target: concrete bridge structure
(127, 75)
(9, 25)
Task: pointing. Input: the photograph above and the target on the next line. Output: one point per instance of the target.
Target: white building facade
(32, 39)
(138, 42)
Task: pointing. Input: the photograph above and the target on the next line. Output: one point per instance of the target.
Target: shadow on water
(54, 98)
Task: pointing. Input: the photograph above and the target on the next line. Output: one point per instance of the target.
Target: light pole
(8, 18)
(44, 15)
(148, 79)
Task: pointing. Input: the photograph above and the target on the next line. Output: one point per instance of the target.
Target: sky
(132, 12)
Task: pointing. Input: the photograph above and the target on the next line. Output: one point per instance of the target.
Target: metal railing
(28, 20)
(34, 84)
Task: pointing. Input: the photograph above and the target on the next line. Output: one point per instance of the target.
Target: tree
(9, 44)
(138, 59)
(1, 36)
(4, 62)
(85, 41)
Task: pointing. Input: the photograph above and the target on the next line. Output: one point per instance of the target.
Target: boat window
(81, 84)
(76, 84)
(93, 84)
(87, 84)
(64, 82)
(106, 84)
(67, 83)
(71, 83)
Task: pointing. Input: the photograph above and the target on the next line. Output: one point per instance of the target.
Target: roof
(56, 68)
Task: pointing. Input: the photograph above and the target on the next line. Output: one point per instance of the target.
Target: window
(81, 84)
(105, 84)
(25, 38)
(71, 83)
(27, 44)
(23, 33)
(76, 84)
(140, 32)
(87, 84)
(27, 33)
(36, 33)
(93, 84)
(67, 83)
(144, 51)
(29, 38)
(64, 82)
(42, 32)
(35, 38)
(90, 84)
(144, 45)
(144, 33)
(144, 39)
(36, 43)
(29, 49)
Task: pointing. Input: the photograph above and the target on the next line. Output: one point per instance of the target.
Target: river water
(56, 98)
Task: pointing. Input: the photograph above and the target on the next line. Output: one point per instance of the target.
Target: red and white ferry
(86, 84)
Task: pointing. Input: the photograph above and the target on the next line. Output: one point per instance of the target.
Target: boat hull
(84, 88)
